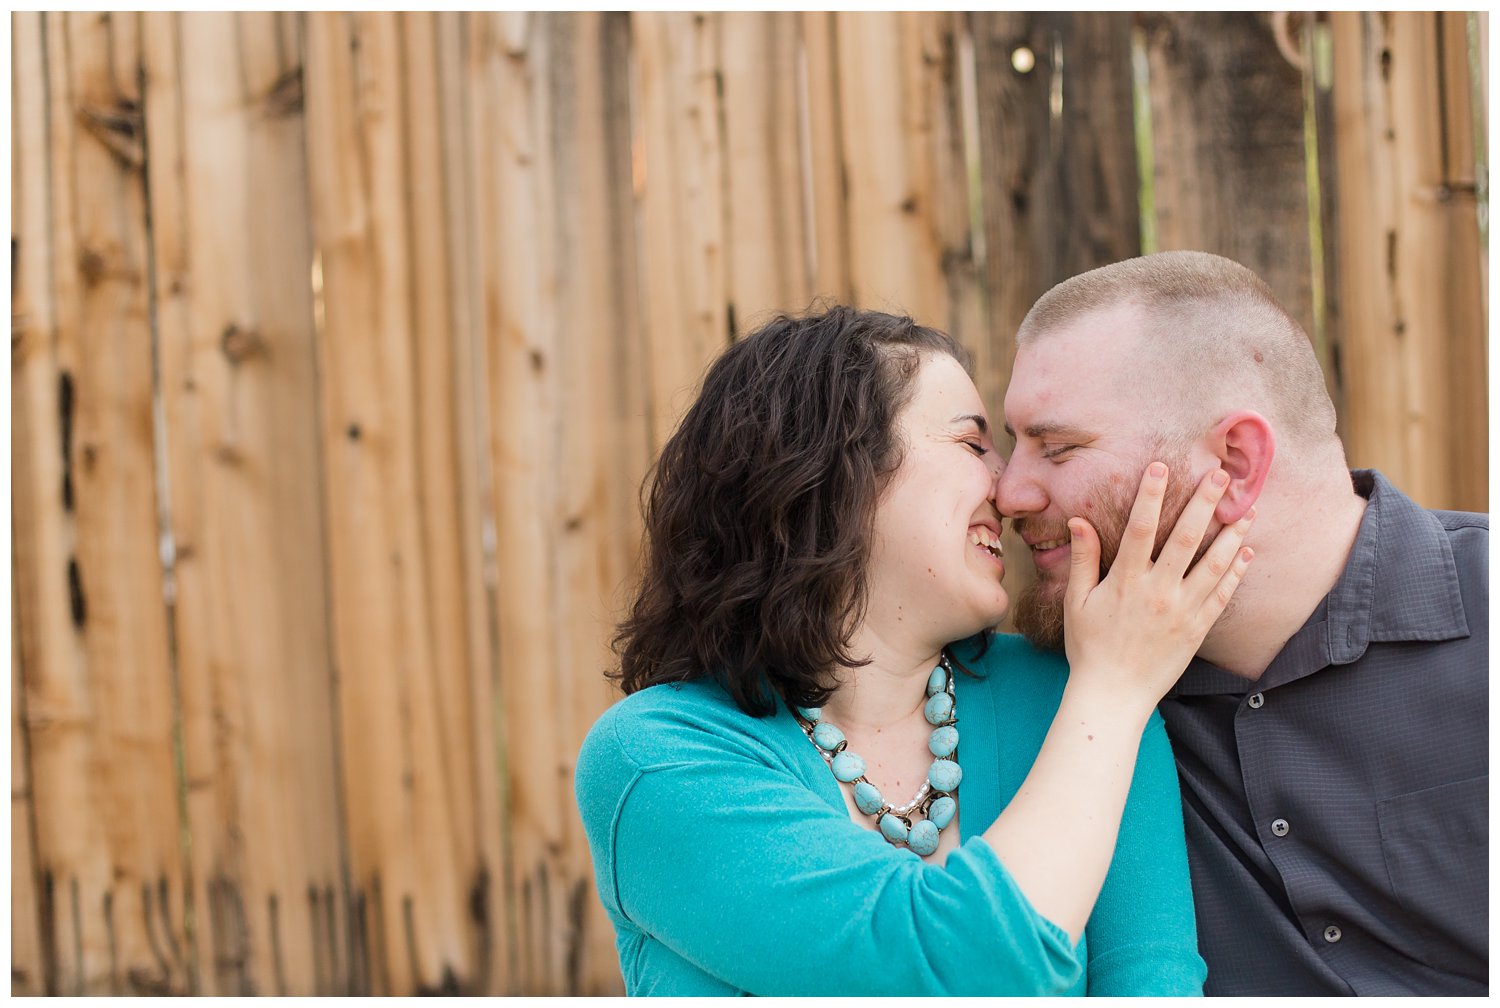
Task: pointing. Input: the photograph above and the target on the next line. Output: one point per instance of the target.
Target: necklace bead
(944, 775)
(894, 829)
(827, 738)
(867, 798)
(848, 767)
(933, 798)
(923, 838)
(939, 708)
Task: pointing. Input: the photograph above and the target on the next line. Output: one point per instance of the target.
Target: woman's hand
(1135, 632)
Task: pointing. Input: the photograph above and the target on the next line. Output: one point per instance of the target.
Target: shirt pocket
(1436, 847)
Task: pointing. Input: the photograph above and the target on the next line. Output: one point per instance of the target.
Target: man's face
(1085, 432)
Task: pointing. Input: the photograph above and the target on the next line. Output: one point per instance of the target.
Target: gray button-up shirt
(1337, 808)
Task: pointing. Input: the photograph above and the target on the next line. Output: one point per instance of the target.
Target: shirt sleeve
(739, 868)
(1142, 937)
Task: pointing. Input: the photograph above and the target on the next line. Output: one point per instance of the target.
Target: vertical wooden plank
(448, 459)
(1315, 43)
(569, 431)
(1413, 325)
(1479, 91)
(941, 43)
(510, 72)
(628, 435)
(1229, 148)
(490, 922)
(766, 240)
(28, 972)
(29, 966)
(902, 137)
(233, 253)
(403, 773)
(681, 181)
(1058, 173)
(1457, 197)
(895, 250)
(1057, 155)
(828, 207)
(589, 218)
(1013, 81)
(94, 638)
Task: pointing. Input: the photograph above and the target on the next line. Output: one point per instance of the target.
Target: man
(1332, 733)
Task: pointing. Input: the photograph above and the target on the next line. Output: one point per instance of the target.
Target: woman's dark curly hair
(760, 510)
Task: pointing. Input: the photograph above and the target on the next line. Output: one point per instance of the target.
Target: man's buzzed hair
(1207, 325)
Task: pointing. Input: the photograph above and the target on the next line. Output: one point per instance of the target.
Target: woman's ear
(1245, 445)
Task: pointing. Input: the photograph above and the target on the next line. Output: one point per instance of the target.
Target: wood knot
(239, 345)
(77, 605)
(119, 129)
(91, 266)
(285, 97)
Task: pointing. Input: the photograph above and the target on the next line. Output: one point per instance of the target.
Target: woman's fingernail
(1157, 469)
(1219, 477)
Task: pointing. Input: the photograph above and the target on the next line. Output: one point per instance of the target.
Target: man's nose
(1017, 493)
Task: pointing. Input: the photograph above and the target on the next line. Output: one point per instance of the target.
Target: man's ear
(1245, 445)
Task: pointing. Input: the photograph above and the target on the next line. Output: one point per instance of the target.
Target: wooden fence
(341, 344)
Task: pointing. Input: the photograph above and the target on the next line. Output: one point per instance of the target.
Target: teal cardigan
(726, 858)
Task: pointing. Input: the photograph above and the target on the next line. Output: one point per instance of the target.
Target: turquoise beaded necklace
(934, 800)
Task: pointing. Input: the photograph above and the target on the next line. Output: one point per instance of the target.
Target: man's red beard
(1039, 609)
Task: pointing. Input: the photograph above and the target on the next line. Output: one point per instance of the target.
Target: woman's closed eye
(979, 448)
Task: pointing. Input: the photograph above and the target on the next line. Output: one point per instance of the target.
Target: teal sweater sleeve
(1141, 938)
(726, 866)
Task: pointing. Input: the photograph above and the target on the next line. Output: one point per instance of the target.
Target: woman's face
(932, 571)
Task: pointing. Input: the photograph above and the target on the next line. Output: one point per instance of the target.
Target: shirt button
(1281, 827)
(1257, 700)
(1332, 934)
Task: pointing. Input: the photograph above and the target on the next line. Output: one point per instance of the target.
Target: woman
(782, 803)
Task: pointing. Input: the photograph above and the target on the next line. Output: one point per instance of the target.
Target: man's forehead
(1074, 381)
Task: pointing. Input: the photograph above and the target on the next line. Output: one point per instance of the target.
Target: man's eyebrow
(976, 419)
(1042, 430)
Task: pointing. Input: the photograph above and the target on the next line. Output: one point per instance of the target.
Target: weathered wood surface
(341, 344)
(767, 242)
(239, 392)
(1409, 257)
(823, 173)
(679, 166)
(32, 387)
(28, 971)
(95, 652)
(1227, 137)
(396, 564)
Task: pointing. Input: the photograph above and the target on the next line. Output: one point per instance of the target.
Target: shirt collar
(1400, 583)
